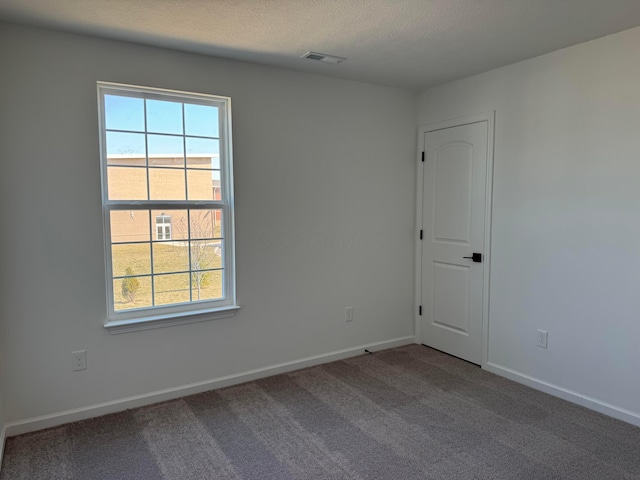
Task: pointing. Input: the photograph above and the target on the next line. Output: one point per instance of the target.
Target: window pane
(206, 223)
(203, 184)
(201, 120)
(164, 117)
(133, 292)
(170, 289)
(203, 153)
(166, 184)
(125, 183)
(207, 285)
(125, 149)
(165, 151)
(129, 226)
(206, 254)
(176, 220)
(130, 259)
(124, 113)
(170, 257)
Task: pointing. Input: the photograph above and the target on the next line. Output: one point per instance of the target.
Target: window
(167, 196)
(163, 227)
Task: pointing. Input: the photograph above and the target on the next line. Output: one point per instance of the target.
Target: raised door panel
(450, 298)
(453, 163)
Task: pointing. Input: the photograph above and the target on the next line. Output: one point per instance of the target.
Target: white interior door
(453, 224)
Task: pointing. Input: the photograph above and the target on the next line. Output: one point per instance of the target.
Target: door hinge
(423, 156)
(420, 234)
(419, 309)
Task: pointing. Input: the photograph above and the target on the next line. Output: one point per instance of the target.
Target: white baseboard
(46, 421)
(569, 395)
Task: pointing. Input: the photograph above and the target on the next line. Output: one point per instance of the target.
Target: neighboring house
(203, 183)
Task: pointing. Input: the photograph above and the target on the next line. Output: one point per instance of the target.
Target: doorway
(454, 208)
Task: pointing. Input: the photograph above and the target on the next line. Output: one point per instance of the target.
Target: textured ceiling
(405, 43)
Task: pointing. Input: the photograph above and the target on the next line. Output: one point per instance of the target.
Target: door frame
(488, 117)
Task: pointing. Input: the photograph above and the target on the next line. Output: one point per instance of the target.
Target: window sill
(158, 321)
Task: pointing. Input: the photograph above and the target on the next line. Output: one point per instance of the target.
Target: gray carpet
(405, 413)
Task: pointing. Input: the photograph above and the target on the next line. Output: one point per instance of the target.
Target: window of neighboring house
(166, 175)
(163, 227)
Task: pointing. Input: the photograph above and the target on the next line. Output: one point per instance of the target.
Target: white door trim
(488, 117)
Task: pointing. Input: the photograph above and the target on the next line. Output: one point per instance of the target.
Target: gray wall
(566, 216)
(324, 213)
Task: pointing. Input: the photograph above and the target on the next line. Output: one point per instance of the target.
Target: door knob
(476, 257)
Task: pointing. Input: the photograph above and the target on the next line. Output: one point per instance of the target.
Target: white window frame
(165, 227)
(194, 311)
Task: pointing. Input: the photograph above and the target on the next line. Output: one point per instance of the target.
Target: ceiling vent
(323, 57)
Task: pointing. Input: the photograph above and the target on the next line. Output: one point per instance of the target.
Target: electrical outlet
(348, 314)
(543, 336)
(79, 360)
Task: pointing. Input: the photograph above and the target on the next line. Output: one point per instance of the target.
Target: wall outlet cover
(79, 360)
(348, 314)
(542, 339)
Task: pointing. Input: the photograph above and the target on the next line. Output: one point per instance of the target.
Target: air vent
(323, 57)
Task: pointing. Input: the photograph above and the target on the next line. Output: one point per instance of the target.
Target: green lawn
(168, 257)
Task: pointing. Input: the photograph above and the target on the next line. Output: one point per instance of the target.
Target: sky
(127, 113)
